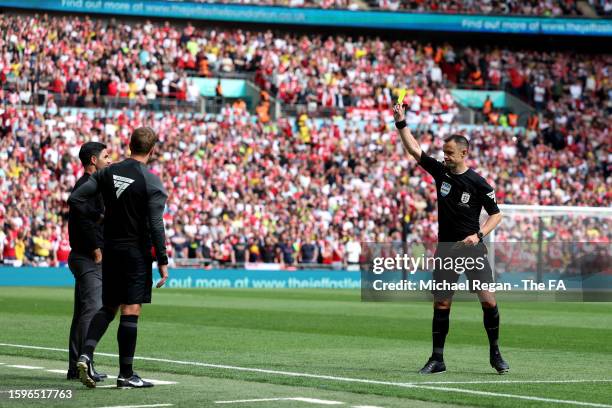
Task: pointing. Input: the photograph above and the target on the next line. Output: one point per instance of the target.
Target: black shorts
(478, 270)
(127, 277)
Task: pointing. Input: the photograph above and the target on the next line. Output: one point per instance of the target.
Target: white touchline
(252, 400)
(365, 406)
(156, 382)
(334, 378)
(301, 399)
(27, 367)
(317, 401)
(513, 382)
(139, 406)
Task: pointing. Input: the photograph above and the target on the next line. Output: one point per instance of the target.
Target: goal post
(555, 229)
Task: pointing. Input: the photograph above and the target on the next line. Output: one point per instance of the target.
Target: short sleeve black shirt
(461, 198)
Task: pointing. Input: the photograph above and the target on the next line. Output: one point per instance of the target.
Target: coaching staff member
(85, 260)
(134, 201)
(462, 194)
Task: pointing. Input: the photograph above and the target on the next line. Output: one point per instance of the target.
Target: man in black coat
(85, 261)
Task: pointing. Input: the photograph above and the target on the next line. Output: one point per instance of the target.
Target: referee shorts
(127, 276)
(479, 270)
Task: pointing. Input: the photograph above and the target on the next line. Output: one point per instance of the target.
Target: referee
(134, 201)
(85, 260)
(462, 194)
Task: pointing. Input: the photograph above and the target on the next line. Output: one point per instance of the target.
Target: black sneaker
(86, 372)
(98, 376)
(498, 363)
(433, 367)
(133, 382)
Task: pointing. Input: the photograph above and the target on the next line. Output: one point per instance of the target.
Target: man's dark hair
(459, 139)
(142, 141)
(90, 149)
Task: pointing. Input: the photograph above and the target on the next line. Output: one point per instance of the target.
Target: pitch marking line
(513, 382)
(301, 399)
(317, 401)
(140, 406)
(156, 382)
(307, 400)
(57, 371)
(334, 378)
(27, 367)
(365, 406)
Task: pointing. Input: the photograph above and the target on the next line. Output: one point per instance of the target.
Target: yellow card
(401, 95)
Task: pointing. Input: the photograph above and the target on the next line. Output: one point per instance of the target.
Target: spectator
(309, 252)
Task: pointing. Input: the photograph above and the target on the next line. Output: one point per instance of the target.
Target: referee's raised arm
(409, 142)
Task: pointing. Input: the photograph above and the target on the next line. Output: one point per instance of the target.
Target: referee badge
(465, 197)
(445, 189)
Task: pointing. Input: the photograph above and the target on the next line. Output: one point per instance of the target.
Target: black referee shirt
(461, 198)
(134, 200)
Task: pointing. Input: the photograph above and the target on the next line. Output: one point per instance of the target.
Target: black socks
(490, 319)
(439, 330)
(97, 328)
(126, 337)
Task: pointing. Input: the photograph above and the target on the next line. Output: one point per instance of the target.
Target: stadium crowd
(83, 62)
(547, 8)
(300, 191)
(241, 190)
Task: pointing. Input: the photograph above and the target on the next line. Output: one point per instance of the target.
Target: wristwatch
(479, 234)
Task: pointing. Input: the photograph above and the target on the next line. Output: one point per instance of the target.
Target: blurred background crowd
(300, 189)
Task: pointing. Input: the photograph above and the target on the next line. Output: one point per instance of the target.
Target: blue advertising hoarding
(333, 18)
(268, 279)
(198, 278)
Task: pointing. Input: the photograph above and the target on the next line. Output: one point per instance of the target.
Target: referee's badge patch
(465, 197)
(445, 189)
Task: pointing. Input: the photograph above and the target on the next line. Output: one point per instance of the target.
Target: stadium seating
(231, 178)
(234, 177)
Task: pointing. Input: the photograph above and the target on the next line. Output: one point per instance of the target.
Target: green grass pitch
(315, 344)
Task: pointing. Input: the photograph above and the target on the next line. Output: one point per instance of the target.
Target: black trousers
(87, 300)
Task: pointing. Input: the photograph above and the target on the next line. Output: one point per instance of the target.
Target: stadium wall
(331, 18)
(267, 279)
(197, 278)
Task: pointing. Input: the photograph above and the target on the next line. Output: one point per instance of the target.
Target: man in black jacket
(85, 260)
(134, 201)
